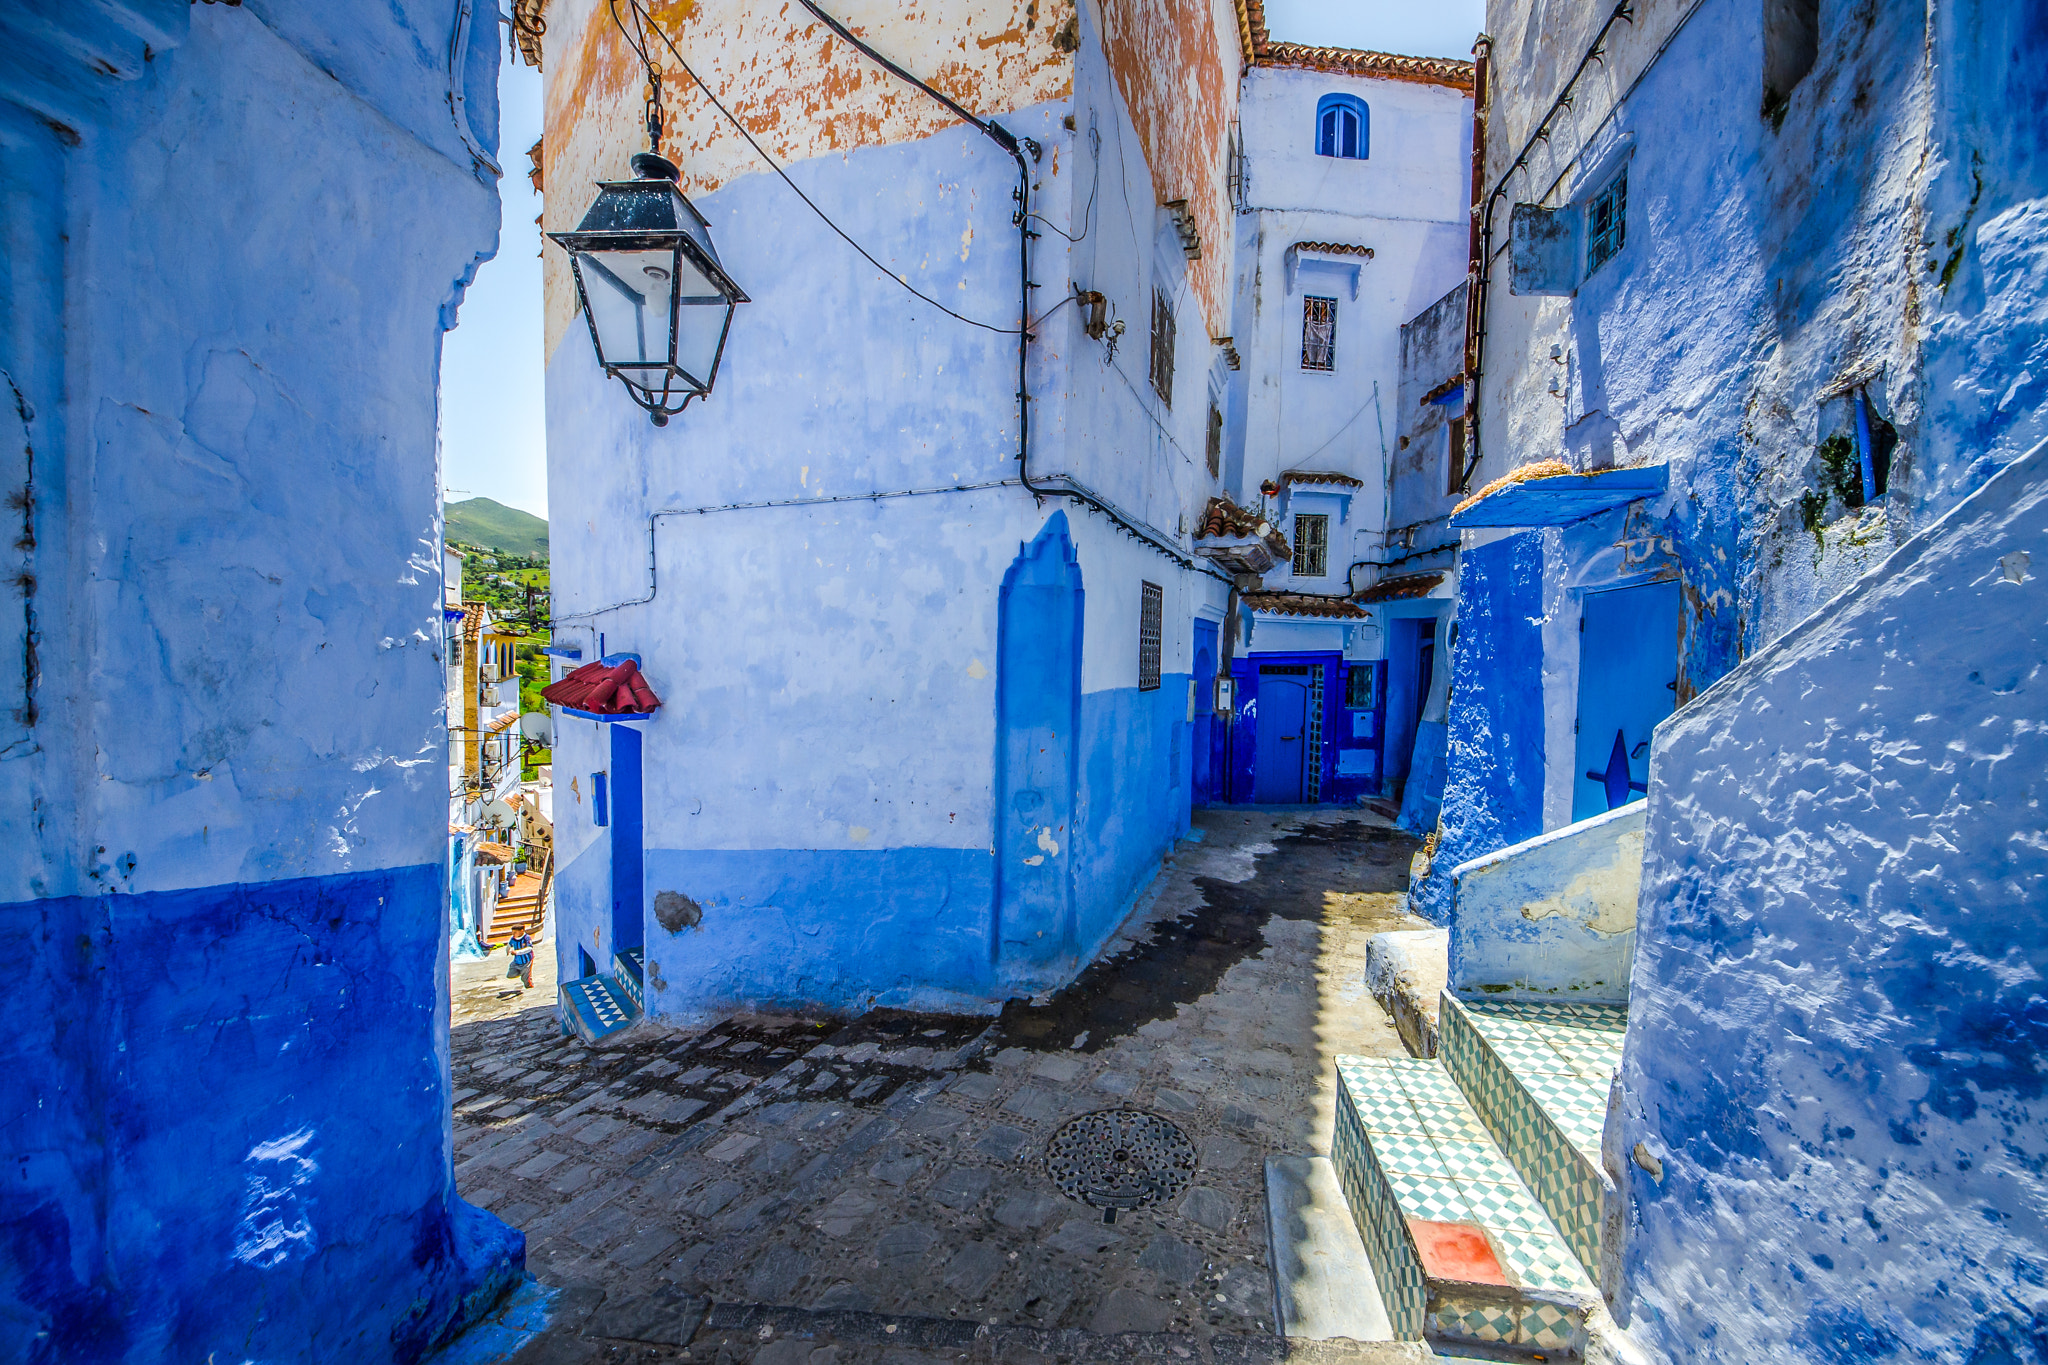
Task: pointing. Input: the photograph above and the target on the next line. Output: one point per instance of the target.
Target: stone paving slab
(894, 1164)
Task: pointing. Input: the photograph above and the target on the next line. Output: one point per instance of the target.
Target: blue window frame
(1342, 125)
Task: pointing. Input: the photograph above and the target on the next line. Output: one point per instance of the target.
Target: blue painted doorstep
(596, 1007)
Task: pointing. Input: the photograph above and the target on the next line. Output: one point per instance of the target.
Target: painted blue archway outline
(1343, 127)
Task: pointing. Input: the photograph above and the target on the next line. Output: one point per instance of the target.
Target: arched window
(1341, 126)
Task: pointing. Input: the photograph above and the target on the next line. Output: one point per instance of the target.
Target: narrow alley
(880, 1184)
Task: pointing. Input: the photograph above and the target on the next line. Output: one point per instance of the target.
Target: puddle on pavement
(1313, 873)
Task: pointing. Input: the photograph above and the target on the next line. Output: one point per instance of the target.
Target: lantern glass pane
(628, 294)
(700, 328)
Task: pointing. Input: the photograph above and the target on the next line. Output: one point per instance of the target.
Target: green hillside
(494, 526)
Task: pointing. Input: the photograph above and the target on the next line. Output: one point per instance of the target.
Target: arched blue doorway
(1038, 710)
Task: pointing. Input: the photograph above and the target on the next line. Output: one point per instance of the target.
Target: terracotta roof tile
(1222, 517)
(1258, 49)
(615, 690)
(1395, 589)
(1317, 476)
(1304, 604)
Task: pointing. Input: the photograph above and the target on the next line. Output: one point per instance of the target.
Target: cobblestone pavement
(890, 1170)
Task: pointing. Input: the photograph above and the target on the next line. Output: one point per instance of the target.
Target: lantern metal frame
(626, 217)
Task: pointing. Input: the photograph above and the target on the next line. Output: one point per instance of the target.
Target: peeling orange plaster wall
(1176, 63)
(799, 90)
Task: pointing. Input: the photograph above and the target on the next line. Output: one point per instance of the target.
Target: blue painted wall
(201, 1157)
(1495, 739)
(234, 237)
(1836, 1014)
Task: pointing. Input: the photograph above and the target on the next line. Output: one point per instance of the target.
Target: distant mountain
(493, 525)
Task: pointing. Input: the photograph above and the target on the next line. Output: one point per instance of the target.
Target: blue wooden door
(1205, 765)
(1282, 744)
(1628, 672)
(629, 921)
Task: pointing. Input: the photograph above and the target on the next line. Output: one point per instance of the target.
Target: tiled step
(595, 1008)
(1538, 1076)
(1462, 1251)
(629, 970)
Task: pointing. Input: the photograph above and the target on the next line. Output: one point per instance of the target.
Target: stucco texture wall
(1495, 731)
(233, 243)
(1837, 1012)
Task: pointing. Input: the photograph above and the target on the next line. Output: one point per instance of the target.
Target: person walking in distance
(521, 946)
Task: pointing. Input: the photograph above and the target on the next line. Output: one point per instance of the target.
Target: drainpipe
(1475, 253)
(1863, 455)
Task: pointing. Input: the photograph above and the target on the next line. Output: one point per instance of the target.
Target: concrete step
(1406, 969)
(1537, 1074)
(1322, 1278)
(594, 1007)
(1462, 1251)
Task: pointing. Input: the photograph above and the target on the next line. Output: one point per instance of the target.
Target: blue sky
(493, 436)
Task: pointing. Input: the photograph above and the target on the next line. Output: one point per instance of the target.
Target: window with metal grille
(1215, 440)
(1318, 333)
(1607, 223)
(1358, 687)
(1151, 616)
(1311, 545)
(1162, 347)
(1454, 455)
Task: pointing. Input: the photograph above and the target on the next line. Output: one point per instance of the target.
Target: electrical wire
(1087, 214)
(647, 21)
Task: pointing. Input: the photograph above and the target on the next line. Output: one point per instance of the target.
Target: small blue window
(1342, 124)
(600, 800)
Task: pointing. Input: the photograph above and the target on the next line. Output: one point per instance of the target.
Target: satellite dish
(539, 727)
(500, 814)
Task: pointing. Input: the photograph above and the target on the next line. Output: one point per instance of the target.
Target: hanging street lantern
(649, 281)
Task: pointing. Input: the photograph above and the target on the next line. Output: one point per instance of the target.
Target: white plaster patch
(1047, 842)
(976, 669)
(1601, 898)
(276, 1224)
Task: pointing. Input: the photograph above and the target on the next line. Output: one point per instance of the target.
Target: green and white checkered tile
(1429, 1083)
(1531, 1057)
(1538, 1259)
(1428, 1197)
(1481, 1161)
(1381, 1112)
(1509, 1207)
(1547, 1325)
(1477, 1322)
(1408, 1152)
(1450, 1122)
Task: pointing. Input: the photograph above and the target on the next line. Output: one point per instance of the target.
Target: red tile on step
(1455, 1251)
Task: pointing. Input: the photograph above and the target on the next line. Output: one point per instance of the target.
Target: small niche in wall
(1851, 464)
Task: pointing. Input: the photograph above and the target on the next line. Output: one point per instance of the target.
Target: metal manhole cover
(1120, 1159)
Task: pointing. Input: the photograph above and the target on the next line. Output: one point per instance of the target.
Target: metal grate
(1311, 545)
(1358, 687)
(1318, 333)
(1120, 1159)
(1162, 347)
(1607, 223)
(1151, 617)
(1312, 779)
